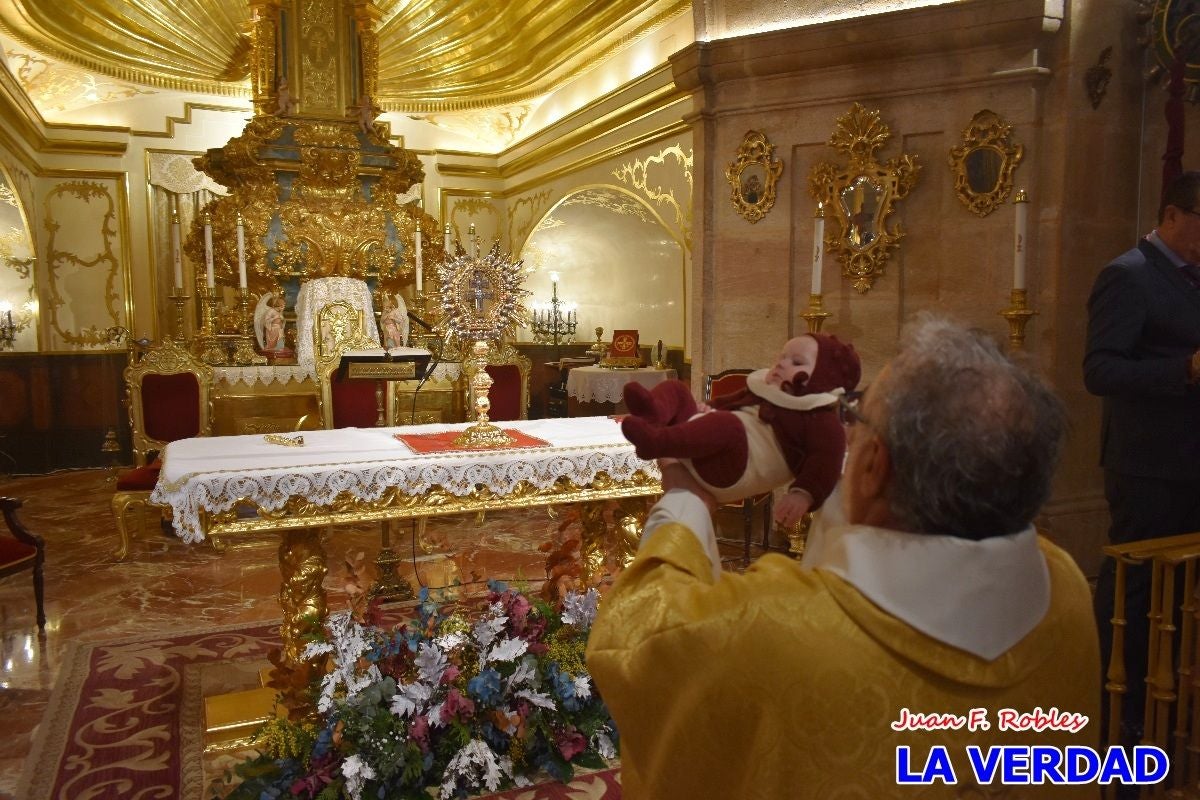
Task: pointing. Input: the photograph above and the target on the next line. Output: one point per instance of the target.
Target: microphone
(419, 321)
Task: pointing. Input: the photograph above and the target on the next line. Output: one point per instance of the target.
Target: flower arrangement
(441, 706)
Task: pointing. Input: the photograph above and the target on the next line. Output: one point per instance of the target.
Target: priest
(927, 616)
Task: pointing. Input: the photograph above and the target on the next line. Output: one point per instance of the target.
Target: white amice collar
(982, 597)
(756, 382)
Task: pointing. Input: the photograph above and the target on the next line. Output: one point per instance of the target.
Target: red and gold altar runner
(208, 476)
(444, 442)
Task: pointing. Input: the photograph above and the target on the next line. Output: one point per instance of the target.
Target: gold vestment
(783, 682)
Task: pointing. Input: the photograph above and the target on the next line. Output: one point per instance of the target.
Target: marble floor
(169, 587)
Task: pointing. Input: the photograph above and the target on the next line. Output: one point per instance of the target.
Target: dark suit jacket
(1143, 326)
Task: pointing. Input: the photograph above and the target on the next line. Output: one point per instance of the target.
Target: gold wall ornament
(861, 195)
(637, 175)
(983, 164)
(753, 175)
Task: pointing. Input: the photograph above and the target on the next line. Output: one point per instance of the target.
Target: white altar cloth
(601, 385)
(212, 474)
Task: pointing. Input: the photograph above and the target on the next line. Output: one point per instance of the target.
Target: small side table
(596, 391)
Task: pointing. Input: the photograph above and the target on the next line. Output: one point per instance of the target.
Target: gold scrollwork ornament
(753, 175)
(861, 195)
(983, 164)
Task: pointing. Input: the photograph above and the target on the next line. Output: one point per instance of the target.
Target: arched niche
(619, 266)
(18, 273)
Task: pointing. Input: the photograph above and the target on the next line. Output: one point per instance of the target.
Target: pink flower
(570, 743)
(419, 730)
(457, 706)
(450, 674)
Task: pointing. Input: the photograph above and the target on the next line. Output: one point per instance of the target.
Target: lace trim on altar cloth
(215, 493)
(264, 375)
(598, 385)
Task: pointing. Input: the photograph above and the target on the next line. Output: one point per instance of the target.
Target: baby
(782, 428)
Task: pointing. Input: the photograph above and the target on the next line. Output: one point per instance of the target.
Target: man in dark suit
(1143, 358)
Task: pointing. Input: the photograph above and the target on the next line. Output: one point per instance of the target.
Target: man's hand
(791, 507)
(676, 476)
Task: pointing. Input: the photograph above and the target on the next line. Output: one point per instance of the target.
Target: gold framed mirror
(861, 195)
(753, 175)
(983, 164)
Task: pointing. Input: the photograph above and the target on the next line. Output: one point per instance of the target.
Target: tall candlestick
(417, 237)
(818, 247)
(208, 254)
(176, 256)
(1021, 201)
(449, 253)
(241, 251)
(554, 283)
(471, 243)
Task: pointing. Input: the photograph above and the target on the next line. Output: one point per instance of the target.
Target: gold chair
(509, 370)
(168, 395)
(337, 329)
(724, 383)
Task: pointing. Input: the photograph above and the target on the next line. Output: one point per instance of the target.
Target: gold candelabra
(243, 350)
(1018, 315)
(816, 314)
(180, 300)
(206, 346)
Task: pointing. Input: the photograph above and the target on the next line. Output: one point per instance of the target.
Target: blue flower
(485, 686)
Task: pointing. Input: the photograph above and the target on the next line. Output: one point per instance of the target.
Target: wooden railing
(1172, 712)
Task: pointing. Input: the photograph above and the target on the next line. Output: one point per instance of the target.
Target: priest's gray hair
(974, 438)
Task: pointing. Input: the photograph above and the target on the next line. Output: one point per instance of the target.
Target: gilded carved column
(264, 32)
(302, 596)
(366, 17)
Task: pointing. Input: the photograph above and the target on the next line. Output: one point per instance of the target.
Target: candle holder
(1018, 315)
(180, 300)
(550, 326)
(243, 351)
(206, 346)
(816, 314)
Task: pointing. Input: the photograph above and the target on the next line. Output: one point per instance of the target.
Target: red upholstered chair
(25, 550)
(723, 383)
(168, 396)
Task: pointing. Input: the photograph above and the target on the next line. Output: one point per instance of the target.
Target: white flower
(583, 687)
(475, 763)
(539, 699)
(579, 610)
(487, 629)
(451, 641)
(507, 650)
(357, 773)
(603, 744)
(410, 698)
(525, 672)
(432, 662)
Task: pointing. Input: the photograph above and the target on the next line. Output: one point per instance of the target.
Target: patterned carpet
(168, 588)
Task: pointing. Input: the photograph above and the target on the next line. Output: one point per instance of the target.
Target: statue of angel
(394, 322)
(268, 322)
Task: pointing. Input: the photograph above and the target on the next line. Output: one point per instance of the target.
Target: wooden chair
(25, 550)
(168, 392)
(723, 383)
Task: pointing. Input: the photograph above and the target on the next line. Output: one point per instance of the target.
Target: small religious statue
(394, 322)
(285, 104)
(269, 324)
(659, 361)
(365, 111)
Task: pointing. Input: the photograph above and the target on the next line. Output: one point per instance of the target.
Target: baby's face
(798, 355)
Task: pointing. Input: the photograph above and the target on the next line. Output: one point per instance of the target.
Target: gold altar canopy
(313, 178)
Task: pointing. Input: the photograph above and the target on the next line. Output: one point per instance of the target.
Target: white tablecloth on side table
(600, 385)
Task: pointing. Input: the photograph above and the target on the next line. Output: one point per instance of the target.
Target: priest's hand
(676, 476)
(792, 507)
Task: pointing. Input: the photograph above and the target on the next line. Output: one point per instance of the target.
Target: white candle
(417, 237)
(1021, 201)
(818, 248)
(554, 283)
(472, 245)
(449, 252)
(208, 254)
(241, 250)
(176, 256)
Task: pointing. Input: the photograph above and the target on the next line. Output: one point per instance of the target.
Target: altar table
(231, 485)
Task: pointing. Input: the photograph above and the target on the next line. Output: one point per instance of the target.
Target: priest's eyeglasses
(848, 413)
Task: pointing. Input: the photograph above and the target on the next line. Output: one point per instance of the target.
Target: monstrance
(481, 298)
